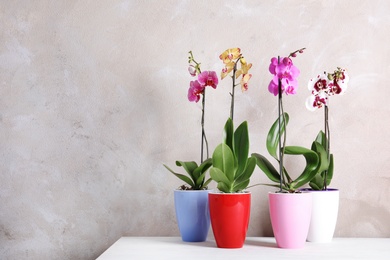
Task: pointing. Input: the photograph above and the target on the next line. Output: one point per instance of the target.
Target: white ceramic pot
(323, 216)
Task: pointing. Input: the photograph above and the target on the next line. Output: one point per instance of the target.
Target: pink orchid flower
(208, 78)
(195, 90)
(287, 72)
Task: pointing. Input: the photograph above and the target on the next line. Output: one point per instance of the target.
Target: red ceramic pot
(229, 216)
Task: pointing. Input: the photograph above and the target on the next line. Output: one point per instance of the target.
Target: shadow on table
(256, 242)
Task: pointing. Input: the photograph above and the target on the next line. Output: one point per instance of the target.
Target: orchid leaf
(203, 167)
(206, 183)
(241, 186)
(181, 177)
(228, 133)
(223, 187)
(322, 156)
(248, 171)
(274, 133)
(196, 174)
(309, 171)
(223, 159)
(241, 146)
(188, 166)
(267, 167)
(218, 176)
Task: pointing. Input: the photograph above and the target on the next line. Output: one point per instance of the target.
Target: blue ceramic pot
(192, 214)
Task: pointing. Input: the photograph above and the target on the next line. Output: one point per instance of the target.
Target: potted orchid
(232, 167)
(325, 199)
(191, 199)
(290, 209)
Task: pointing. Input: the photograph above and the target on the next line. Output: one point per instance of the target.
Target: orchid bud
(192, 70)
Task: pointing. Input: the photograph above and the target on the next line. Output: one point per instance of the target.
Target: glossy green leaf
(309, 171)
(241, 146)
(321, 138)
(188, 166)
(181, 177)
(240, 186)
(223, 187)
(206, 183)
(228, 134)
(218, 176)
(322, 156)
(274, 133)
(267, 167)
(316, 183)
(223, 159)
(248, 171)
(203, 167)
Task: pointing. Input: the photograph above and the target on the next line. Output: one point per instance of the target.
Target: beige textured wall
(93, 102)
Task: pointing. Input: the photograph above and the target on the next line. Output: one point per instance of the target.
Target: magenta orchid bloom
(287, 73)
(195, 90)
(208, 78)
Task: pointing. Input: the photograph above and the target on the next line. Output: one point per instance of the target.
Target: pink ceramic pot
(290, 217)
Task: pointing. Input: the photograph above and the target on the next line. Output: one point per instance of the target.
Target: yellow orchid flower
(230, 55)
(227, 69)
(245, 67)
(244, 81)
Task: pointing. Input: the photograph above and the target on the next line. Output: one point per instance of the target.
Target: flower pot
(323, 215)
(192, 214)
(290, 218)
(229, 214)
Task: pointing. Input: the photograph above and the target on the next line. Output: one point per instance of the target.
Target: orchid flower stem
(233, 88)
(204, 139)
(327, 143)
(281, 146)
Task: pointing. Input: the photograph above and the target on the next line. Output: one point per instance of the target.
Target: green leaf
(181, 176)
(248, 171)
(317, 183)
(321, 138)
(199, 181)
(240, 186)
(188, 166)
(267, 167)
(218, 176)
(223, 187)
(330, 170)
(203, 167)
(273, 135)
(228, 133)
(309, 171)
(322, 156)
(206, 183)
(223, 159)
(241, 146)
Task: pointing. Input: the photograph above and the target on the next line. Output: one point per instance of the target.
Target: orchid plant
(322, 87)
(197, 174)
(232, 168)
(284, 81)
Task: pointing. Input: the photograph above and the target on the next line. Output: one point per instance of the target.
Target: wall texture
(93, 102)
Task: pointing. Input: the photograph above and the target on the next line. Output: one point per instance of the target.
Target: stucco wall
(93, 100)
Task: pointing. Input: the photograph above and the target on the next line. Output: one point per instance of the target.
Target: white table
(259, 248)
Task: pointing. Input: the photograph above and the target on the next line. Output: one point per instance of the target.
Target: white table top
(254, 248)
